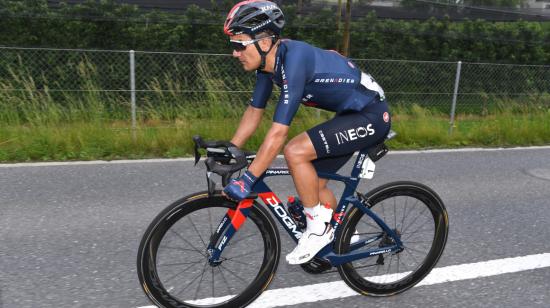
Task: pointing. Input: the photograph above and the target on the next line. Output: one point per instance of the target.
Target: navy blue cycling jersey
(314, 77)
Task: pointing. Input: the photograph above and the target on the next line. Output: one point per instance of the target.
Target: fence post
(133, 93)
(453, 107)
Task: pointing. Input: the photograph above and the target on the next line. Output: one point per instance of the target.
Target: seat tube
(349, 190)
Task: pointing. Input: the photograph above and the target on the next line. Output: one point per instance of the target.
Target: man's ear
(265, 44)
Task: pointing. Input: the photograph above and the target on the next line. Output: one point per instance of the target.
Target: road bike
(205, 250)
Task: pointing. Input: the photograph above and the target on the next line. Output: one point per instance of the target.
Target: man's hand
(239, 189)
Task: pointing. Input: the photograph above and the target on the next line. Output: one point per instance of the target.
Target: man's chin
(249, 68)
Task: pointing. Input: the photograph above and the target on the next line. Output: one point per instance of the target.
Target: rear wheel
(417, 215)
(173, 265)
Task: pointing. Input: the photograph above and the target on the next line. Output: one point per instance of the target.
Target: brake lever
(198, 143)
(197, 154)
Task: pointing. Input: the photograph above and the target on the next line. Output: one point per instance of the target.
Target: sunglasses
(241, 45)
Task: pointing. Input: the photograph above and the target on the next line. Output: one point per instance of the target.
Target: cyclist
(313, 77)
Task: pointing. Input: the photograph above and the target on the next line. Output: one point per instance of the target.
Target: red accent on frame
(269, 195)
(238, 218)
(338, 217)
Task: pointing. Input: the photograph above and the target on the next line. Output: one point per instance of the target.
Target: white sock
(316, 218)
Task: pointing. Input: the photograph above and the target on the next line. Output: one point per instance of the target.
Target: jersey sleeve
(294, 70)
(262, 90)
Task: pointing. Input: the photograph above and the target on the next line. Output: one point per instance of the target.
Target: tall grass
(511, 125)
(421, 128)
(27, 101)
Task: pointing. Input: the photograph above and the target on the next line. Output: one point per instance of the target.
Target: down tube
(279, 211)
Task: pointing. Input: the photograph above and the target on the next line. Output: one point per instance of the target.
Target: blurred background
(145, 73)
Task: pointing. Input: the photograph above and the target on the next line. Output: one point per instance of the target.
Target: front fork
(230, 223)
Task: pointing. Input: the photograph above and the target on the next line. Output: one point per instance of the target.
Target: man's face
(249, 56)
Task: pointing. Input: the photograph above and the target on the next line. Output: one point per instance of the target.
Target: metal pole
(453, 107)
(133, 93)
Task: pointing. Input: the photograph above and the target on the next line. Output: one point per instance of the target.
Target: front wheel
(417, 215)
(173, 265)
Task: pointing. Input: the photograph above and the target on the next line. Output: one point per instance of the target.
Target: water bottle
(296, 210)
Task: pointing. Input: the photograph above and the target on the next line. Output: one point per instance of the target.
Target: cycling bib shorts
(336, 140)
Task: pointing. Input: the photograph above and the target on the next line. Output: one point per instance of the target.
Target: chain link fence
(190, 80)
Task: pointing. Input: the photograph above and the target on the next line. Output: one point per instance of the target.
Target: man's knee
(293, 152)
(296, 152)
(299, 149)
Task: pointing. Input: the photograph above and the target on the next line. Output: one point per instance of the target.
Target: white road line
(338, 289)
(163, 160)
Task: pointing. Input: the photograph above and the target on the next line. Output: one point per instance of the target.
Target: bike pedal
(316, 266)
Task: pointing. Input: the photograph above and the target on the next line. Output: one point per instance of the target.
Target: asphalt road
(69, 234)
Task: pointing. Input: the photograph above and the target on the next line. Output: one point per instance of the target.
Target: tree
(345, 40)
(338, 22)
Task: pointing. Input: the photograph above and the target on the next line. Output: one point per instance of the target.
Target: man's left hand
(239, 189)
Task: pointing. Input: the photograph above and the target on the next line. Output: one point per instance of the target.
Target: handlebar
(224, 158)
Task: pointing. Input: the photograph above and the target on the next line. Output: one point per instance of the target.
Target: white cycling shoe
(309, 245)
(355, 237)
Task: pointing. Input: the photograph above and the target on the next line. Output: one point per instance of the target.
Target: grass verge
(417, 128)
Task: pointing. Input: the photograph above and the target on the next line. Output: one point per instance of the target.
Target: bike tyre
(146, 263)
(402, 188)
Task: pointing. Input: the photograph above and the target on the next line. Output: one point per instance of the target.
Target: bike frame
(233, 220)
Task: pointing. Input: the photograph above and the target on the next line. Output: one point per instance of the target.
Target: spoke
(415, 250)
(412, 256)
(190, 283)
(233, 273)
(190, 266)
(197, 230)
(182, 249)
(415, 219)
(370, 225)
(404, 213)
(241, 239)
(384, 211)
(238, 261)
(364, 266)
(409, 234)
(422, 225)
(200, 281)
(389, 264)
(184, 263)
(212, 270)
(418, 242)
(405, 217)
(395, 216)
(225, 280)
(243, 254)
(399, 260)
(188, 243)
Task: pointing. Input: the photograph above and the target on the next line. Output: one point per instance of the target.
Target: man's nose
(236, 53)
